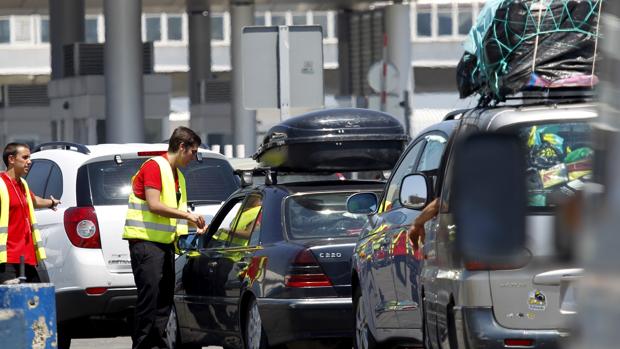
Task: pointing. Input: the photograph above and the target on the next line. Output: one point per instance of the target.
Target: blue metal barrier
(28, 316)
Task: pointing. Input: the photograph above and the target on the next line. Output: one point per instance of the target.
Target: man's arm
(417, 232)
(39, 202)
(157, 207)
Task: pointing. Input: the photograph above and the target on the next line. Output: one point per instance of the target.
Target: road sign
(375, 75)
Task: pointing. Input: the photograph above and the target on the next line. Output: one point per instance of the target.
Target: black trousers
(10, 271)
(153, 271)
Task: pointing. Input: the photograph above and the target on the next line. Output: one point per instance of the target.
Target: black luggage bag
(334, 140)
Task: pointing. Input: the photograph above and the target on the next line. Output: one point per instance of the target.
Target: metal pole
(66, 25)
(244, 121)
(284, 75)
(199, 28)
(398, 29)
(123, 71)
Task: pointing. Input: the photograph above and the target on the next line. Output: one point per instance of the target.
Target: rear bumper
(477, 328)
(286, 320)
(74, 304)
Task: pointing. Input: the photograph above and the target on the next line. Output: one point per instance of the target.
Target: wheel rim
(171, 329)
(361, 326)
(254, 327)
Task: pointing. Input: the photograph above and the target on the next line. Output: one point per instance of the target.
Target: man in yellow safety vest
(156, 216)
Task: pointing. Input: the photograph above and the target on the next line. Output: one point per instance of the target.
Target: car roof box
(337, 140)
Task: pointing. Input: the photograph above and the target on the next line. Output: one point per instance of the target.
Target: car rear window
(209, 181)
(559, 161)
(321, 215)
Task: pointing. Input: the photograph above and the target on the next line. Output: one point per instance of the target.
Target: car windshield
(559, 161)
(321, 215)
(209, 181)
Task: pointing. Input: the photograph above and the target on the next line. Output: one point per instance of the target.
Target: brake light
(96, 291)
(82, 227)
(519, 342)
(479, 266)
(152, 153)
(305, 271)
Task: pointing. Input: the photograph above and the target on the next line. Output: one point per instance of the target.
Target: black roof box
(336, 140)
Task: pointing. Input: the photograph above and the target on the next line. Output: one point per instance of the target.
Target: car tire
(173, 335)
(363, 337)
(64, 340)
(254, 336)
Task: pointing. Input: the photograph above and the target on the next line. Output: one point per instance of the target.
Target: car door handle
(555, 277)
(212, 264)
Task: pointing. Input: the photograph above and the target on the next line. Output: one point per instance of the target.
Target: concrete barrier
(28, 316)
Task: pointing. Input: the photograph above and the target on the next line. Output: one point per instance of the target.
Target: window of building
(175, 28)
(424, 21)
(278, 19)
(91, 30)
(299, 19)
(5, 30)
(217, 27)
(153, 28)
(259, 19)
(320, 18)
(465, 18)
(444, 20)
(23, 29)
(44, 30)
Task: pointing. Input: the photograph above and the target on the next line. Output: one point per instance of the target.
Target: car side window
(248, 221)
(54, 183)
(431, 156)
(37, 176)
(221, 237)
(406, 166)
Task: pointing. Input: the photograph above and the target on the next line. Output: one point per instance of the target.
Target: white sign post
(283, 67)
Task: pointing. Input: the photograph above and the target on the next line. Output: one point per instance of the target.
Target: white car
(87, 259)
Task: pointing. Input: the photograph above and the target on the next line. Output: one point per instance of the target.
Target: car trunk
(541, 295)
(334, 257)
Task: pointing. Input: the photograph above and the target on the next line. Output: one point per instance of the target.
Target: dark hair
(11, 149)
(183, 135)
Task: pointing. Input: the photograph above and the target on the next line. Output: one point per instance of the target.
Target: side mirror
(362, 203)
(414, 191)
(489, 198)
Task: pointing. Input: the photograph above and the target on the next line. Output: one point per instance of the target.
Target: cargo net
(527, 44)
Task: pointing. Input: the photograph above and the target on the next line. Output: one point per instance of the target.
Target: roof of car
(324, 185)
(495, 118)
(110, 149)
(446, 126)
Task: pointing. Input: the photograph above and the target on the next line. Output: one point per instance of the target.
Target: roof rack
(81, 148)
(455, 114)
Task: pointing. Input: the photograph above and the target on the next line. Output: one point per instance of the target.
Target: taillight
(519, 342)
(478, 266)
(96, 291)
(152, 153)
(82, 227)
(305, 271)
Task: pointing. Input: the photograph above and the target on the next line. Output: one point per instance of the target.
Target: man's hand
(416, 234)
(197, 220)
(201, 231)
(55, 203)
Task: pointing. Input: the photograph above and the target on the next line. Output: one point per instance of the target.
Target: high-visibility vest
(241, 222)
(4, 223)
(143, 224)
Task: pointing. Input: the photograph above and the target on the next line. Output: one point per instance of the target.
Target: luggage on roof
(520, 44)
(334, 140)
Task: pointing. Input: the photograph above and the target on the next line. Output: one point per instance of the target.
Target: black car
(274, 267)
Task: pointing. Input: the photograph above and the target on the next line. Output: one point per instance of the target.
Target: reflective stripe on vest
(141, 223)
(4, 223)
